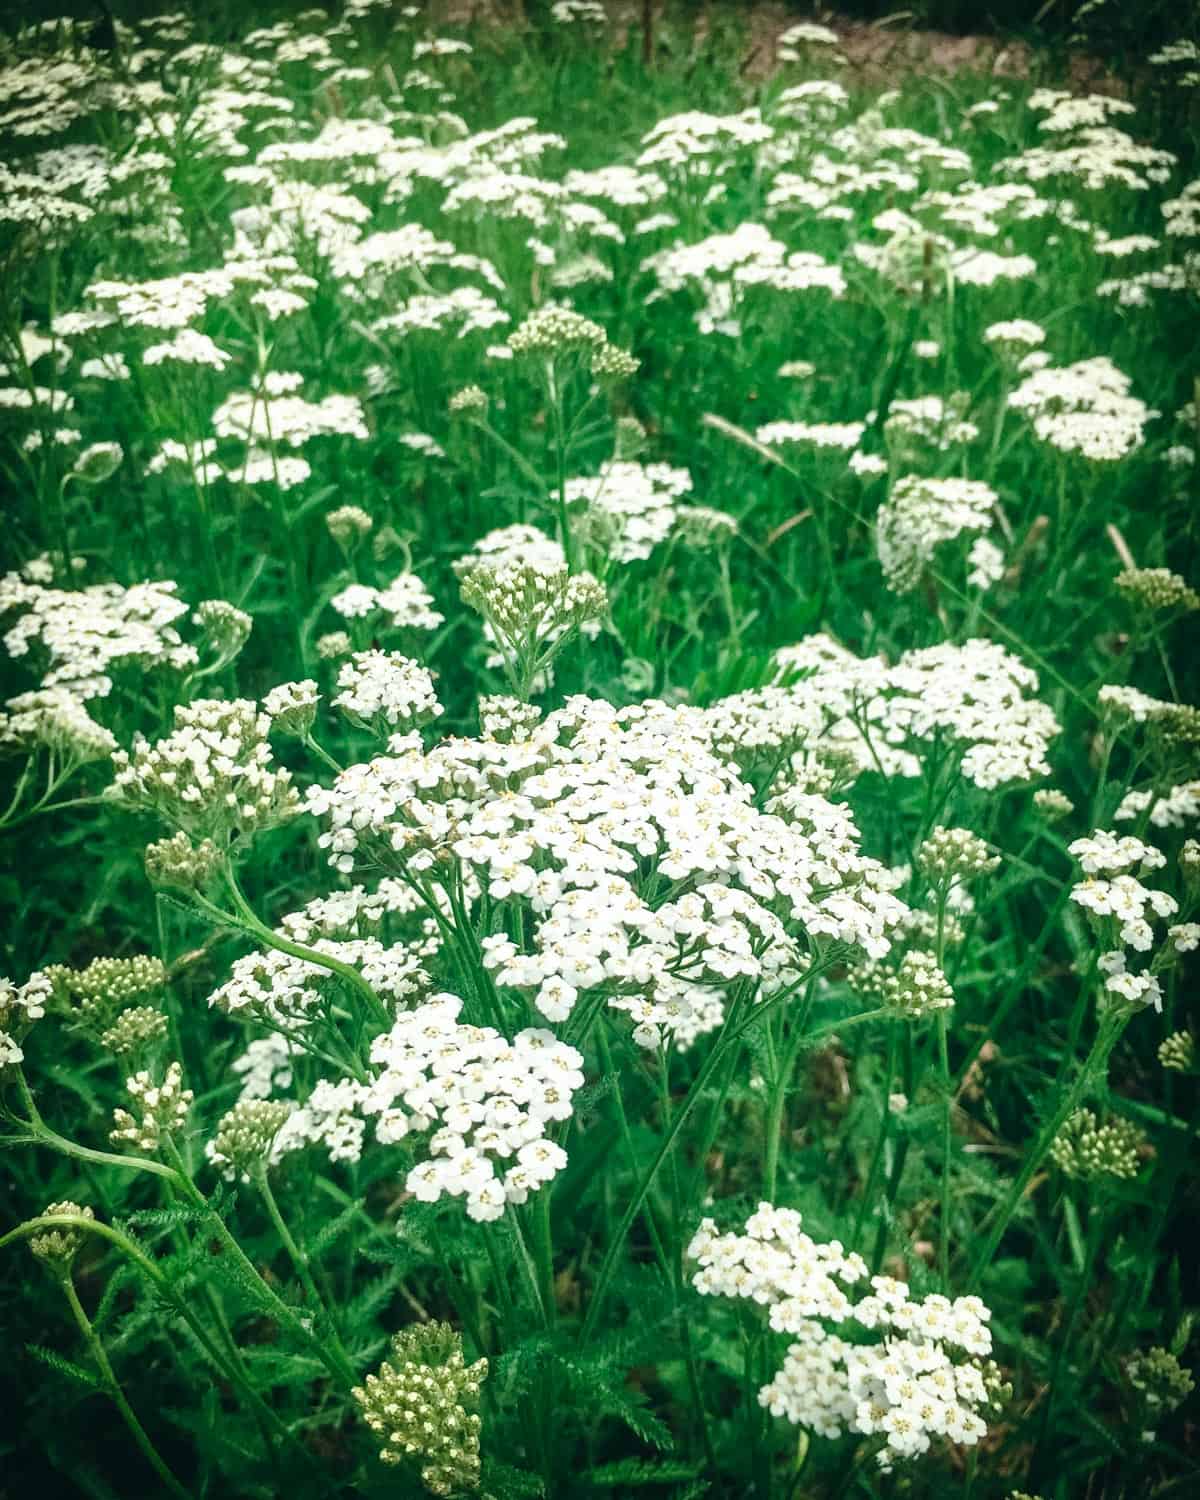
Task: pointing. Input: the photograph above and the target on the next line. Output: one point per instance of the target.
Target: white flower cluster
(628, 508)
(274, 415)
(723, 265)
(972, 695)
(292, 707)
(386, 692)
(20, 1006)
(213, 776)
(488, 1102)
(54, 719)
(483, 1103)
(920, 515)
(1084, 408)
(843, 435)
(1015, 337)
(282, 990)
(701, 141)
(157, 1109)
(82, 635)
(921, 1379)
(591, 820)
(1124, 907)
(406, 602)
(918, 422)
(1171, 808)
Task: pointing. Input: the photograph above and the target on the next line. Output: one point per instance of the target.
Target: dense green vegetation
(600, 764)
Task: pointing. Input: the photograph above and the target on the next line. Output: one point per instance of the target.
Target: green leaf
(67, 1367)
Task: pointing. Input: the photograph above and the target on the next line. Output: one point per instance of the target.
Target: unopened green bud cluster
(140, 1027)
(612, 363)
(918, 987)
(348, 525)
(108, 985)
(1160, 1380)
(951, 854)
(522, 600)
(1088, 1150)
(556, 330)
(1157, 588)
(227, 627)
(421, 1407)
(472, 399)
(246, 1134)
(1178, 1052)
(57, 1247)
(178, 864)
(1053, 804)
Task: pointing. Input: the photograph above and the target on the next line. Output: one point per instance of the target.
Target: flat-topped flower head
(386, 692)
(911, 1371)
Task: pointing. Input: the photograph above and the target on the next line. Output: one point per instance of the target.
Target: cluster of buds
(471, 401)
(531, 609)
(245, 1136)
(178, 864)
(349, 526)
(226, 629)
(107, 986)
(612, 363)
(1160, 1381)
(135, 1030)
(214, 776)
(703, 526)
(292, 706)
(58, 1247)
(1178, 1052)
(160, 1108)
(549, 331)
(950, 855)
(1089, 1151)
(420, 1405)
(918, 987)
(1157, 589)
(1053, 804)
(386, 692)
(333, 644)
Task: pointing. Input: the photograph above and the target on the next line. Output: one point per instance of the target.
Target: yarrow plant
(599, 756)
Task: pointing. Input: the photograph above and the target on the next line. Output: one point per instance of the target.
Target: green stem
(166, 1290)
(336, 1364)
(271, 939)
(1095, 1063)
(543, 1240)
(947, 1106)
(113, 1388)
(300, 1261)
(784, 1068)
(885, 1120)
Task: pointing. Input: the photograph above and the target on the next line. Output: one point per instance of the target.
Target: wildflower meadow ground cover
(600, 784)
